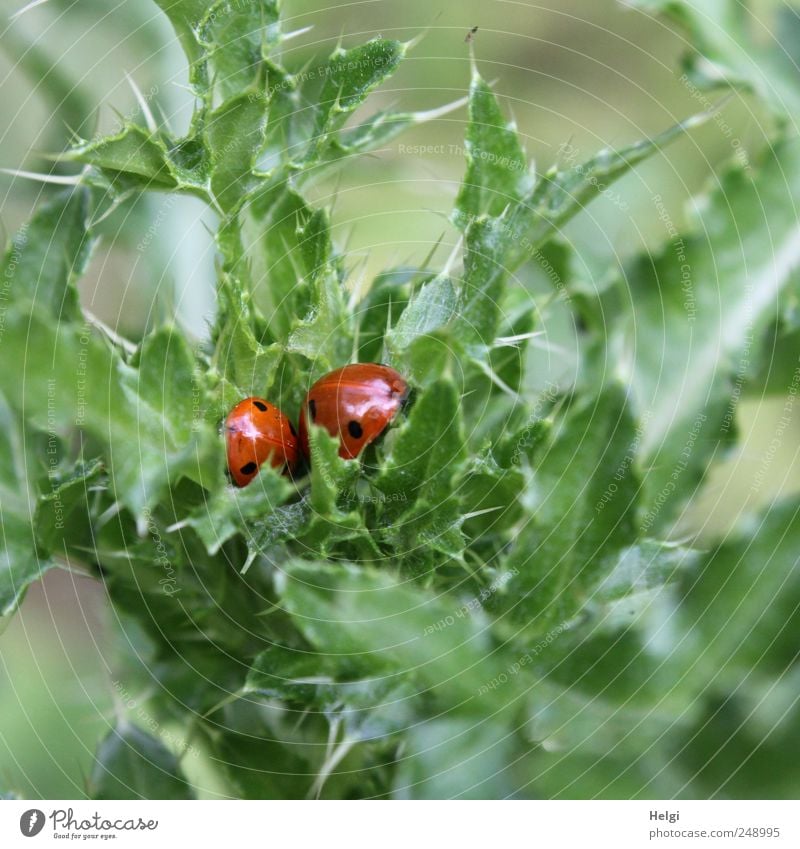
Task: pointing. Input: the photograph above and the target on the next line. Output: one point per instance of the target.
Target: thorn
(497, 380)
(297, 32)
(473, 65)
(451, 260)
(112, 207)
(412, 43)
(112, 334)
(251, 556)
(439, 111)
(427, 261)
(482, 512)
(140, 98)
(164, 119)
(510, 341)
(356, 293)
(57, 179)
(109, 513)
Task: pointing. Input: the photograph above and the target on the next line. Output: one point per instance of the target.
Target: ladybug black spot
(248, 468)
(355, 430)
(293, 431)
(261, 406)
(312, 408)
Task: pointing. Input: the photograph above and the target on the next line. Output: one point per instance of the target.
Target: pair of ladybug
(354, 403)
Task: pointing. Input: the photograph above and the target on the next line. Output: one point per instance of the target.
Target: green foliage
(484, 604)
(131, 764)
(728, 50)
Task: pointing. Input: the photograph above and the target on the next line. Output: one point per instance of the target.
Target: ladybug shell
(257, 431)
(355, 403)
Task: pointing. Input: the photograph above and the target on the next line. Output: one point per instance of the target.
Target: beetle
(255, 432)
(356, 403)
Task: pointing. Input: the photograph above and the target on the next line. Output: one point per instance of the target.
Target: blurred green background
(588, 73)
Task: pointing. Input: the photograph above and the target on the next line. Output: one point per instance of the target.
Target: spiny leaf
(324, 336)
(583, 511)
(235, 37)
(287, 246)
(348, 78)
(497, 172)
(433, 307)
(134, 157)
(231, 511)
(234, 133)
(426, 449)
(697, 313)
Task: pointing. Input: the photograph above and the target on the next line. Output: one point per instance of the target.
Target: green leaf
(487, 247)
(292, 675)
(377, 131)
(234, 135)
(385, 299)
(433, 307)
(348, 78)
(389, 625)
(288, 253)
(131, 410)
(64, 513)
(560, 195)
(458, 758)
(160, 390)
(330, 474)
(242, 360)
(235, 37)
(426, 451)
(728, 48)
(324, 336)
(131, 764)
(419, 514)
(134, 157)
(752, 580)
(185, 17)
(398, 630)
(254, 763)
(490, 496)
(497, 172)
(22, 562)
(697, 314)
(582, 510)
(229, 511)
(47, 255)
(635, 580)
(497, 245)
(775, 367)
(731, 729)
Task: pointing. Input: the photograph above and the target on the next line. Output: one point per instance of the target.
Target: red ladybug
(255, 431)
(355, 403)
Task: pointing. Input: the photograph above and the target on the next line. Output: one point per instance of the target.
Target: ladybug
(355, 403)
(256, 431)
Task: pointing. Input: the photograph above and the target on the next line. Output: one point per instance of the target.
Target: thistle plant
(491, 600)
